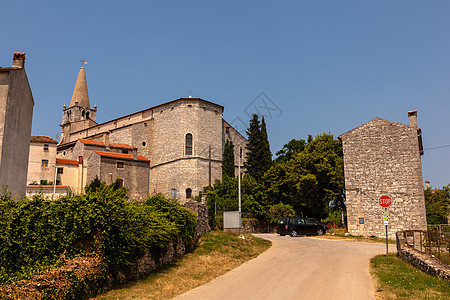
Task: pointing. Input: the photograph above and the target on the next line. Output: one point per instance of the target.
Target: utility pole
(209, 166)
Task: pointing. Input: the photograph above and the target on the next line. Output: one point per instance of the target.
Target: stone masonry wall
(383, 157)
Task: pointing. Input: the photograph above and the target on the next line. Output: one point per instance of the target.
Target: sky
(308, 66)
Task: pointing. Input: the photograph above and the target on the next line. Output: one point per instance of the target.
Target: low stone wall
(201, 210)
(422, 261)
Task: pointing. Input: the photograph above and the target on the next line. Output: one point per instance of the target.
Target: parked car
(295, 226)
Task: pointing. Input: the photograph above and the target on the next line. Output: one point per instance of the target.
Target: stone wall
(16, 114)
(422, 261)
(383, 157)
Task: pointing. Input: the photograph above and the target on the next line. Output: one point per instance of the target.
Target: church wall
(229, 133)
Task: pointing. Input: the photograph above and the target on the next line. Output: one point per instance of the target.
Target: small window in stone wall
(120, 165)
(125, 151)
(361, 220)
(173, 193)
(120, 180)
(60, 170)
(44, 163)
(188, 193)
(45, 147)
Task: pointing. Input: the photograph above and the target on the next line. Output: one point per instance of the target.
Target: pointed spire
(80, 93)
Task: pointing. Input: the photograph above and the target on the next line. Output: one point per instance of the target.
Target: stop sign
(385, 201)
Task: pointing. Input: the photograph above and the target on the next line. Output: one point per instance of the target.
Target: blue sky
(325, 66)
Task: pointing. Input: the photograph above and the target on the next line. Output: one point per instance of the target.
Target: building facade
(181, 141)
(42, 160)
(16, 114)
(382, 157)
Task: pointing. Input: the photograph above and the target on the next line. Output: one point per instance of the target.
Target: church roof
(102, 144)
(66, 161)
(120, 155)
(80, 92)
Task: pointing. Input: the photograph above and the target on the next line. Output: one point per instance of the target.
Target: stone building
(181, 140)
(16, 114)
(383, 157)
(42, 160)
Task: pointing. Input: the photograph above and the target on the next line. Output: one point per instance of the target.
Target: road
(298, 268)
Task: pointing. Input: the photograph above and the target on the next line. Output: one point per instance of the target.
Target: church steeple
(80, 93)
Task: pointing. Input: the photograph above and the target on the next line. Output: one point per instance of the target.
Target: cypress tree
(266, 155)
(228, 160)
(258, 156)
(254, 138)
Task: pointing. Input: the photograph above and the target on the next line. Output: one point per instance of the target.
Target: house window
(173, 193)
(45, 147)
(60, 170)
(188, 193)
(120, 165)
(227, 130)
(125, 151)
(188, 144)
(120, 181)
(44, 163)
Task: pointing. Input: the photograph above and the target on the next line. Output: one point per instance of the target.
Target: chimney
(106, 139)
(18, 60)
(427, 183)
(412, 115)
(134, 153)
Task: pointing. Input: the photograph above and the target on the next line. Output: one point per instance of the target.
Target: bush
(35, 232)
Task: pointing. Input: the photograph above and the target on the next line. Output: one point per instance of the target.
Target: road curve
(298, 268)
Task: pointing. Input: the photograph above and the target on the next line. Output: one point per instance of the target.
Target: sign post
(385, 201)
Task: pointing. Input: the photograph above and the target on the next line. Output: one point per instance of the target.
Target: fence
(434, 244)
(441, 228)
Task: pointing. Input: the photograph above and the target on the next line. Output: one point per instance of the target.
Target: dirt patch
(57, 282)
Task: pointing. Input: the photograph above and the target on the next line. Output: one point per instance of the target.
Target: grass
(216, 254)
(396, 279)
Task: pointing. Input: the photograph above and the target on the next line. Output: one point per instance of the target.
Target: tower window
(87, 115)
(188, 193)
(188, 144)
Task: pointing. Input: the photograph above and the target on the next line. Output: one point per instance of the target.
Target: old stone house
(42, 160)
(383, 157)
(180, 141)
(16, 113)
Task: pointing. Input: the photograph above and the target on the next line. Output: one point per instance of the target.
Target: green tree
(258, 156)
(228, 159)
(312, 181)
(437, 203)
(287, 152)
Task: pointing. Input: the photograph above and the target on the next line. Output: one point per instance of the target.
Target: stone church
(174, 148)
(383, 157)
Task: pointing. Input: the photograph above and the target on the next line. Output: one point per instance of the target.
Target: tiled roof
(66, 161)
(102, 144)
(42, 139)
(47, 186)
(120, 155)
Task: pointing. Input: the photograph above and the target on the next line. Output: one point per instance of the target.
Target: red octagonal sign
(385, 201)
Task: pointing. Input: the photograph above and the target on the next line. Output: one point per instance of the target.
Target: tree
(437, 203)
(258, 156)
(312, 181)
(266, 154)
(228, 160)
(287, 152)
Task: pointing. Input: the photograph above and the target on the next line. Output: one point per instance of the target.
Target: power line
(445, 146)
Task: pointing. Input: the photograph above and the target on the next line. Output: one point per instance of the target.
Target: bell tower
(79, 114)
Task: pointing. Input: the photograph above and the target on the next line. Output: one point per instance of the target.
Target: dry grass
(216, 254)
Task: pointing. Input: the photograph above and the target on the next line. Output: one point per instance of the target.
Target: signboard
(385, 201)
(385, 217)
(231, 219)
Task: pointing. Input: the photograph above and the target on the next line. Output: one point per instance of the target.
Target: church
(174, 148)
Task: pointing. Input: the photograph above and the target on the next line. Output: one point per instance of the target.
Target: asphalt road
(298, 268)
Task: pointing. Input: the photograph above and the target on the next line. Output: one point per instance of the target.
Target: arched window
(87, 115)
(188, 193)
(188, 144)
(82, 113)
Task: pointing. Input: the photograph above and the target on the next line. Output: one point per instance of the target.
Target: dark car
(295, 226)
